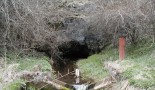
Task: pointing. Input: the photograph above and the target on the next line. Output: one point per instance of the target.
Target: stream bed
(67, 75)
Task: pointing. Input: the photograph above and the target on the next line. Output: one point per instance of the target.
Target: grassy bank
(93, 66)
(23, 62)
(29, 61)
(139, 65)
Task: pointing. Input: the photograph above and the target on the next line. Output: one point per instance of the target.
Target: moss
(64, 88)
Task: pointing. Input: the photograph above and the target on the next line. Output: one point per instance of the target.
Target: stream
(67, 75)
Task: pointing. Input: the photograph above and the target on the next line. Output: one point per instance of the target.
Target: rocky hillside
(72, 29)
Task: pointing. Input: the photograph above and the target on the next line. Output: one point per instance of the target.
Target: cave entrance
(71, 52)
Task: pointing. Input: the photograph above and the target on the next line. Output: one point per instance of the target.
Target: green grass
(17, 85)
(14, 85)
(93, 66)
(138, 66)
(27, 62)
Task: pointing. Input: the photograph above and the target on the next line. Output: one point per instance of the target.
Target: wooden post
(121, 48)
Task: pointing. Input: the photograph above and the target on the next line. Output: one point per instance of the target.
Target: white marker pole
(77, 73)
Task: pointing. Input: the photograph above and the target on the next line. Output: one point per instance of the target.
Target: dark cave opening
(69, 53)
(64, 57)
(73, 51)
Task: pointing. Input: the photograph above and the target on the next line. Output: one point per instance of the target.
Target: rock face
(76, 40)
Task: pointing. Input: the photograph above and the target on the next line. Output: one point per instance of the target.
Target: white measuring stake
(77, 80)
(77, 72)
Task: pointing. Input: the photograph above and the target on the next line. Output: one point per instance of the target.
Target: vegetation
(44, 25)
(138, 67)
(14, 85)
(24, 24)
(24, 62)
(93, 66)
(27, 62)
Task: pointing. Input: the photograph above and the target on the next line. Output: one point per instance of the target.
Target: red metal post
(121, 48)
